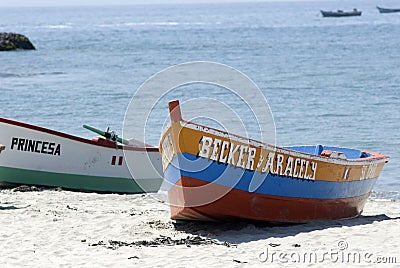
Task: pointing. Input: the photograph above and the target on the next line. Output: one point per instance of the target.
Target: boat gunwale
(75, 138)
(375, 156)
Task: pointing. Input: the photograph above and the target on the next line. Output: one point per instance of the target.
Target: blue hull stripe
(251, 181)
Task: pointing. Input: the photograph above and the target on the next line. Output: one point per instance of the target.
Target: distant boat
(216, 175)
(341, 13)
(33, 155)
(388, 10)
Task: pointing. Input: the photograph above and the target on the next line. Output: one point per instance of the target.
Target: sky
(22, 3)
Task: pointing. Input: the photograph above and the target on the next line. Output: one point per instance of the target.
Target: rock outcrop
(13, 41)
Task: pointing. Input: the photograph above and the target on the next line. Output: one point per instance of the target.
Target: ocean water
(333, 81)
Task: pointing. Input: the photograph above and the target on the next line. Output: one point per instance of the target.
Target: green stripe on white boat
(78, 182)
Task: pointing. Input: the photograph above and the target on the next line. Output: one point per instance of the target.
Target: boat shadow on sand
(242, 232)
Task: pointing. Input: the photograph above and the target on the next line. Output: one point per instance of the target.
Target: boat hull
(213, 175)
(242, 205)
(340, 14)
(388, 10)
(223, 192)
(37, 156)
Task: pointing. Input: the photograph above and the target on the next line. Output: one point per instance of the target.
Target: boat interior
(330, 151)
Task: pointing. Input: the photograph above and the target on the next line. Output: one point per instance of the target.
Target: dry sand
(57, 228)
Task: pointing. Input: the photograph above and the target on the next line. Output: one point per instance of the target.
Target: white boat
(388, 10)
(35, 155)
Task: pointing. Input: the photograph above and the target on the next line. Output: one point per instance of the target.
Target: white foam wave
(57, 26)
(154, 23)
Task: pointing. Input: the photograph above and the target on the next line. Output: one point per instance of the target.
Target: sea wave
(56, 26)
(154, 23)
(334, 115)
(21, 75)
(385, 195)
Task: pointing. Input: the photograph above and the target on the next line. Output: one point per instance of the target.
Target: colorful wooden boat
(38, 156)
(341, 13)
(215, 175)
(388, 10)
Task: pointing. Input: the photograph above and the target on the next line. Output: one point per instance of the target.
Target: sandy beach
(59, 228)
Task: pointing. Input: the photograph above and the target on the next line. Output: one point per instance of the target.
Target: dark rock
(13, 41)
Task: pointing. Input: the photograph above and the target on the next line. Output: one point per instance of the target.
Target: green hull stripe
(78, 182)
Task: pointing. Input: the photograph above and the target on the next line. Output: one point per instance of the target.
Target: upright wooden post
(175, 111)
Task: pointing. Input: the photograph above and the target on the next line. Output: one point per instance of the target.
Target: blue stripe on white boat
(273, 184)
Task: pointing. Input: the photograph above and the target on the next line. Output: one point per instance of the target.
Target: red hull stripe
(71, 137)
(240, 205)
